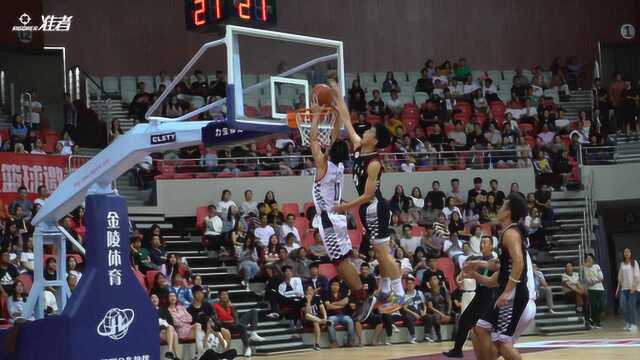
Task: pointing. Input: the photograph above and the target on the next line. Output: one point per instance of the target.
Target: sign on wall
(628, 31)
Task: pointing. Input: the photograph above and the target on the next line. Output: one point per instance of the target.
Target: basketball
(324, 94)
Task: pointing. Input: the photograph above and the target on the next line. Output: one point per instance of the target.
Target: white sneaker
(247, 352)
(633, 328)
(551, 311)
(395, 329)
(387, 343)
(428, 338)
(412, 340)
(273, 315)
(626, 327)
(255, 337)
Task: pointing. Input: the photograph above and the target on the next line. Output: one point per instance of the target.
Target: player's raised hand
(315, 107)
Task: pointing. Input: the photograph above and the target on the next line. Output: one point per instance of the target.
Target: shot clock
(208, 14)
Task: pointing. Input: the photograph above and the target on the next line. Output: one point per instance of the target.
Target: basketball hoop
(301, 119)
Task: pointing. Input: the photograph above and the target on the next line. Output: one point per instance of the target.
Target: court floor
(608, 343)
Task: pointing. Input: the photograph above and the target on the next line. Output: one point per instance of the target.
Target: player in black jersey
(480, 304)
(514, 309)
(373, 208)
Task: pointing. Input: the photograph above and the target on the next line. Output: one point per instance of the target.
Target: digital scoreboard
(210, 14)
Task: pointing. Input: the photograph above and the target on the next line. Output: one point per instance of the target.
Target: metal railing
(393, 162)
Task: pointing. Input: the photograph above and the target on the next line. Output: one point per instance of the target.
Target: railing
(393, 162)
(104, 107)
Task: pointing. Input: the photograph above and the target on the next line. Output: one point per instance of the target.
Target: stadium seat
(328, 270)
(307, 239)
(308, 205)
(445, 264)
(477, 74)
(205, 176)
(486, 229)
(110, 85)
(151, 275)
(302, 224)
(266, 173)
(508, 75)
(424, 168)
(494, 75)
(225, 175)
(246, 174)
(291, 208)
(526, 128)
(26, 281)
(201, 212)
(420, 97)
(182, 176)
(356, 237)
(141, 280)
(128, 88)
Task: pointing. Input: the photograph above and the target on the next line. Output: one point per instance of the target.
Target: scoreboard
(209, 14)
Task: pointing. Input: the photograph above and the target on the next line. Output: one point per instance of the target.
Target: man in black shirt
(543, 202)
(436, 196)
(367, 278)
(218, 87)
(433, 270)
(424, 84)
(318, 282)
(376, 106)
(8, 273)
(602, 104)
(497, 194)
(477, 190)
(200, 307)
(437, 137)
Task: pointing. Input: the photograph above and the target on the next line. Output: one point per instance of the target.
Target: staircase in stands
(578, 100)
(116, 110)
(565, 237)
(220, 274)
(627, 148)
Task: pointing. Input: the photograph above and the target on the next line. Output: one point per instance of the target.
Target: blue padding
(107, 316)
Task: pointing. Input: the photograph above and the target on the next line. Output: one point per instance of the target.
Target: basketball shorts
(376, 218)
(333, 231)
(508, 323)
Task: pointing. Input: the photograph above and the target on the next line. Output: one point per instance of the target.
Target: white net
(325, 125)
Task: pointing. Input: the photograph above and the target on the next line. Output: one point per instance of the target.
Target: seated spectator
(161, 288)
(458, 136)
(336, 305)
(542, 168)
(563, 168)
(317, 250)
(66, 144)
(356, 97)
(24, 202)
(248, 259)
(19, 132)
(489, 212)
(545, 136)
(376, 105)
(542, 288)
(300, 263)
(572, 287)
(458, 195)
(471, 213)
(493, 136)
(476, 240)
(367, 278)
(428, 215)
(535, 230)
(216, 342)
(440, 230)
(390, 84)
(438, 303)
(72, 267)
(402, 260)
(408, 242)
(318, 282)
(289, 227)
(200, 307)
(264, 232)
(248, 205)
(315, 313)
(424, 83)
(290, 243)
(477, 193)
(453, 247)
(543, 202)
(157, 252)
(17, 300)
(167, 331)
(394, 105)
(415, 308)
(436, 197)
(246, 324)
(290, 293)
(212, 223)
(182, 320)
(456, 225)
(397, 199)
(182, 291)
(450, 209)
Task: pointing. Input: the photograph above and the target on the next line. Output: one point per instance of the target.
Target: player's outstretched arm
(343, 113)
(316, 151)
(373, 170)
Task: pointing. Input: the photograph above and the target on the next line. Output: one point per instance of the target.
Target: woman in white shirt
(627, 291)
(405, 263)
(72, 267)
(595, 288)
(417, 198)
(17, 301)
(573, 290)
(212, 223)
(225, 202)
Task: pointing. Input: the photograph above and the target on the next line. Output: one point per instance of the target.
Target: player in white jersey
(327, 192)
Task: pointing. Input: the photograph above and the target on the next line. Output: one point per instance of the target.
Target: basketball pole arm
(72, 240)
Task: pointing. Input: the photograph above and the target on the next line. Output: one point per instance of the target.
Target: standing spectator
(436, 197)
(462, 70)
(225, 202)
(397, 199)
(626, 111)
(8, 273)
(315, 313)
(615, 92)
(627, 290)
(19, 132)
(70, 114)
(573, 290)
(22, 201)
(542, 288)
(477, 193)
(140, 103)
(35, 111)
(595, 288)
(438, 303)
(543, 202)
(357, 100)
(415, 308)
(336, 304)
(456, 193)
(246, 324)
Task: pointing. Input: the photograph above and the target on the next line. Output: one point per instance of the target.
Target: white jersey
(327, 191)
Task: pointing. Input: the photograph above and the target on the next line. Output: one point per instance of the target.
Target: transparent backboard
(269, 74)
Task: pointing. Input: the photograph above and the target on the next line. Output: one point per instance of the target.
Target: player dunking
(327, 191)
(514, 309)
(373, 208)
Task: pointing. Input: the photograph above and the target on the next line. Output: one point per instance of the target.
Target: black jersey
(360, 175)
(525, 289)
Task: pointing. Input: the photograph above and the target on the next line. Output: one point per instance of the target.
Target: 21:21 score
(218, 10)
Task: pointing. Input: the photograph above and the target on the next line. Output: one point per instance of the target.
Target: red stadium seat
(410, 124)
(225, 175)
(526, 128)
(250, 111)
(151, 275)
(307, 239)
(504, 165)
(291, 208)
(445, 264)
(201, 212)
(205, 176)
(374, 119)
(247, 174)
(4, 307)
(306, 207)
(266, 173)
(301, 223)
(141, 279)
(486, 229)
(418, 231)
(26, 281)
(328, 270)
(356, 237)
(265, 110)
(424, 168)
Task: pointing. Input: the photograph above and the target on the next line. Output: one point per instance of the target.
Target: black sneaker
(453, 353)
(169, 355)
(316, 347)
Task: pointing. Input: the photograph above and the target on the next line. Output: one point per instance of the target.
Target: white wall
(181, 197)
(614, 182)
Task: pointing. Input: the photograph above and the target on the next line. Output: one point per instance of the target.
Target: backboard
(269, 74)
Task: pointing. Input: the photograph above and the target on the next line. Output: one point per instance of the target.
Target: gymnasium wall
(614, 182)
(122, 37)
(181, 197)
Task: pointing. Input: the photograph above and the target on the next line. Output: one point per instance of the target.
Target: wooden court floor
(608, 351)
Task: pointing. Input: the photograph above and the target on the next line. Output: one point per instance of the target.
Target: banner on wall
(31, 171)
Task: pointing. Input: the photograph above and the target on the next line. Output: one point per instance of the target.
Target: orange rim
(292, 120)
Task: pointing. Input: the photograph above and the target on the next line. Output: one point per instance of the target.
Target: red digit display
(263, 13)
(199, 11)
(244, 8)
(217, 11)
